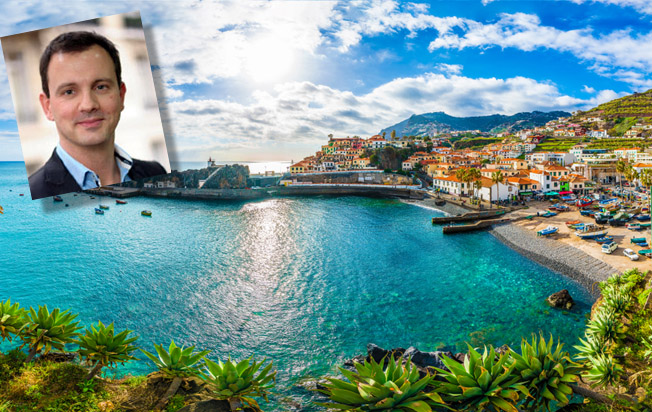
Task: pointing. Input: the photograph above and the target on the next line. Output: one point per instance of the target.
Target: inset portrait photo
(85, 105)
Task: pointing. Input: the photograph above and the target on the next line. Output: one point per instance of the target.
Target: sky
(270, 80)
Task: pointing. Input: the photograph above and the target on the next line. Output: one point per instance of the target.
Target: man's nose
(88, 102)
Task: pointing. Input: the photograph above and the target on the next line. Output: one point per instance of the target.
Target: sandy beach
(562, 252)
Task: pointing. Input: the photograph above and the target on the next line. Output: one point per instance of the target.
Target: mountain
(439, 122)
(633, 105)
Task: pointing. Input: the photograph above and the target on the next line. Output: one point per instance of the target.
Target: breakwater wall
(280, 191)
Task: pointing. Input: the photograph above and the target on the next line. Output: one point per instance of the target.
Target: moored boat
(548, 231)
(604, 239)
(645, 252)
(120, 202)
(57, 199)
(584, 202)
(638, 240)
(99, 211)
(146, 213)
(634, 226)
(105, 207)
(591, 231)
(549, 214)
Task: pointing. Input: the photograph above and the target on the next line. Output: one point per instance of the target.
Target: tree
(621, 166)
(330, 136)
(393, 135)
(462, 175)
(475, 176)
(630, 173)
(497, 178)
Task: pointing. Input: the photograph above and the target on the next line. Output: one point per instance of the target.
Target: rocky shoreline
(556, 256)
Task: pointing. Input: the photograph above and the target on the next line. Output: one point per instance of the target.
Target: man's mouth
(90, 123)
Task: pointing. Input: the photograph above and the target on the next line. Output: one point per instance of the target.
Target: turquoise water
(306, 282)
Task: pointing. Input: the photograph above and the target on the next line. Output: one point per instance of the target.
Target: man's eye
(67, 92)
(102, 87)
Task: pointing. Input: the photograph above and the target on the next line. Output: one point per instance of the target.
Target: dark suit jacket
(54, 179)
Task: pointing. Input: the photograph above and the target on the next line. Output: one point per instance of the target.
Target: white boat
(591, 230)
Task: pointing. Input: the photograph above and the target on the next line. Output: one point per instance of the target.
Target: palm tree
(630, 173)
(462, 176)
(621, 166)
(475, 176)
(496, 178)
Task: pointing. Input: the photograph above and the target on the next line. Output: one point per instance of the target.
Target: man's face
(85, 99)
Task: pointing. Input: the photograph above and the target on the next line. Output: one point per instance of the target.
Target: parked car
(609, 247)
(630, 254)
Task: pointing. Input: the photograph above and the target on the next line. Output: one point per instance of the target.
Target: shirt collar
(85, 177)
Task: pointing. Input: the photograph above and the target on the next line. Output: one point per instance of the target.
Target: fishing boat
(604, 239)
(548, 231)
(572, 223)
(589, 213)
(549, 214)
(638, 240)
(634, 226)
(645, 252)
(642, 218)
(584, 202)
(120, 202)
(105, 207)
(146, 213)
(57, 199)
(591, 231)
(99, 211)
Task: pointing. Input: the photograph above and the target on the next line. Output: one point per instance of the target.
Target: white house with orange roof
(450, 184)
(375, 142)
(495, 191)
(523, 186)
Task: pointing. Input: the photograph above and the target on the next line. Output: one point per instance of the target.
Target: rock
(58, 357)
(425, 359)
(207, 406)
(376, 353)
(561, 299)
(358, 359)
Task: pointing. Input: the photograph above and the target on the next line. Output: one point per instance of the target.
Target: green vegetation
(556, 144)
(374, 387)
(615, 356)
(637, 104)
(44, 330)
(102, 347)
(474, 142)
(612, 144)
(238, 382)
(622, 125)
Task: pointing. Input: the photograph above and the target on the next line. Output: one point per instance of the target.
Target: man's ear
(123, 91)
(45, 104)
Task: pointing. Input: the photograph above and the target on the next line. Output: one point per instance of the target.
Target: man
(83, 94)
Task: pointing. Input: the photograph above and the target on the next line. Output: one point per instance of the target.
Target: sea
(304, 282)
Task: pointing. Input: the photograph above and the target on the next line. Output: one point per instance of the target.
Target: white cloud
(303, 113)
(605, 53)
(643, 6)
(449, 68)
(588, 89)
(485, 2)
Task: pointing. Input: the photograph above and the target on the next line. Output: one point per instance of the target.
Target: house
(523, 185)
(495, 191)
(450, 184)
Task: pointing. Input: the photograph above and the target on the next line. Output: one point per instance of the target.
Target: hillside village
(567, 155)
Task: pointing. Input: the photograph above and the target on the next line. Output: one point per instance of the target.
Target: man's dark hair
(77, 41)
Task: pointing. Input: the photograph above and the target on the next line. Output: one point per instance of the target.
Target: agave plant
(46, 330)
(546, 373)
(618, 300)
(591, 347)
(394, 387)
(12, 319)
(177, 363)
(101, 346)
(604, 370)
(238, 382)
(607, 326)
(484, 382)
